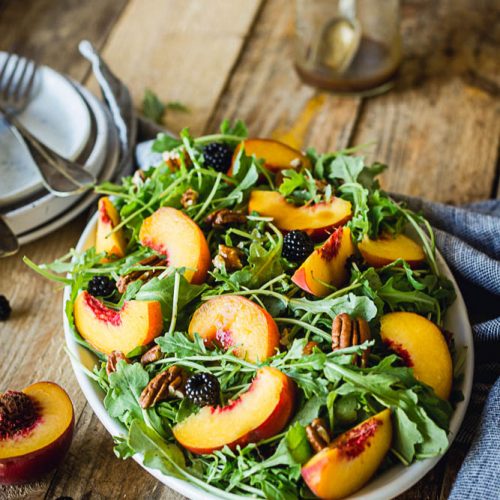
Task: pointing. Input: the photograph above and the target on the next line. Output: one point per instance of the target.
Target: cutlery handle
(58, 175)
(8, 241)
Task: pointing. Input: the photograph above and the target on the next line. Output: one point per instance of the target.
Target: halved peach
(42, 444)
(276, 155)
(107, 330)
(326, 265)
(172, 233)
(233, 321)
(317, 220)
(422, 346)
(112, 243)
(259, 413)
(351, 459)
(387, 249)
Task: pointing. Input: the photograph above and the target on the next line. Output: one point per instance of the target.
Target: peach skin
(107, 330)
(351, 459)
(317, 220)
(42, 444)
(276, 155)
(386, 249)
(233, 321)
(257, 414)
(106, 241)
(172, 233)
(326, 265)
(421, 345)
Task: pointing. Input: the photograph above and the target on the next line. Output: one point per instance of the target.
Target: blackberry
(101, 286)
(203, 389)
(297, 246)
(218, 156)
(5, 309)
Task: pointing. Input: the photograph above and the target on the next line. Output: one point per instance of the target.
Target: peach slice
(351, 459)
(276, 155)
(317, 220)
(172, 233)
(386, 249)
(421, 345)
(231, 320)
(41, 445)
(107, 330)
(326, 264)
(112, 243)
(258, 414)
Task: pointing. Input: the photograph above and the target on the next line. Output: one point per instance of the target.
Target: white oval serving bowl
(389, 484)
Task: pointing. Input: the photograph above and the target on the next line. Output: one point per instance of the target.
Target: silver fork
(60, 176)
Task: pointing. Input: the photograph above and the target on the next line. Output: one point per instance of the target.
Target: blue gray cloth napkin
(469, 239)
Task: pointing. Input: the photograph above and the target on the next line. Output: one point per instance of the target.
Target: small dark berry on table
(101, 286)
(218, 156)
(5, 308)
(297, 246)
(203, 389)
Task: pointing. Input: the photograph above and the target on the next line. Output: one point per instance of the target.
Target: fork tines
(17, 75)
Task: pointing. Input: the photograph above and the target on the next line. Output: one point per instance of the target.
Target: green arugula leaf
(158, 454)
(126, 385)
(162, 290)
(152, 107)
(358, 306)
(297, 443)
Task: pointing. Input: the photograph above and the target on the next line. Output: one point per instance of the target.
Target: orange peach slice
(233, 321)
(386, 249)
(421, 345)
(172, 233)
(326, 265)
(350, 460)
(33, 451)
(107, 330)
(259, 413)
(276, 155)
(317, 220)
(112, 243)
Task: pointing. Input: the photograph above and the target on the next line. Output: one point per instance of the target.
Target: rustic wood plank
(34, 334)
(51, 30)
(183, 51)
(439, 130)
(266, 92)
(99, 474)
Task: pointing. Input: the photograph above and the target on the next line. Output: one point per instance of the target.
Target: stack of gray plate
(70, 120)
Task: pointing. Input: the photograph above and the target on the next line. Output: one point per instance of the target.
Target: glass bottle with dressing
(348, 46)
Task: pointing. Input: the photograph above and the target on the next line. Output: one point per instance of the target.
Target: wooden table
(438, 131)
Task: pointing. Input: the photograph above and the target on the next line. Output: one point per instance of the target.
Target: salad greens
(328, 383)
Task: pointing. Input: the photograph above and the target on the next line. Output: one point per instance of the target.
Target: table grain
(438, 130)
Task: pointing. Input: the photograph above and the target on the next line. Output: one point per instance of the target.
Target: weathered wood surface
(438, 130)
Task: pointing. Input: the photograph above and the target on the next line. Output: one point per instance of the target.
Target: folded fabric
(469, 239)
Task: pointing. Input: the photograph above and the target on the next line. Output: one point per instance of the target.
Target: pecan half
(113, 359)
(151, 355)
(347, 332)
(318, 435)
(225, 217)
(228, 257)
(167, 384)
(153, 260)
(189, 198)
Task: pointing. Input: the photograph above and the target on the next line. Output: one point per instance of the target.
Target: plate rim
(402, 481)
(85, 126)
